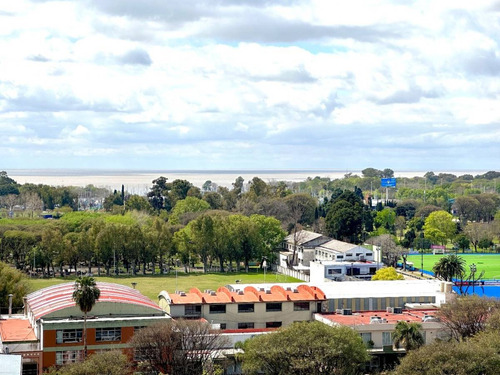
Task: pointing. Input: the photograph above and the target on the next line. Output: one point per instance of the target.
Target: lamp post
(176, 263)
(421, 256)
(473, 270)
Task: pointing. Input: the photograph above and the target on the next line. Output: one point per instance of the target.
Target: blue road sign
(388, 182)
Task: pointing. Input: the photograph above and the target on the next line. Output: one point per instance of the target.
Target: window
(366, 336)
(358, 254)
(300, 306)
(245, 307)
(245, 325)
(386, 339)
(333, 271)
(192, 310)
(369, 254)
(108, 334)
(223, 326)
(217, 309)
(68, 335)
(340, 257)
(273, 324)
(348, 255)
(68, 356)
(270, 307)
(138, 328)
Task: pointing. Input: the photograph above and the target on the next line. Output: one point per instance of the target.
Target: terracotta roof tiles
(250, 294)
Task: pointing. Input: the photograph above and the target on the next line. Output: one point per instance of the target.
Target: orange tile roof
(249, 294)
(16, 330)
(363, 318)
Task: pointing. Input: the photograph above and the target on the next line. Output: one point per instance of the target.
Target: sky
(250, 84)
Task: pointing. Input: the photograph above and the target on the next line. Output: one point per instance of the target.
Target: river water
(139, 181)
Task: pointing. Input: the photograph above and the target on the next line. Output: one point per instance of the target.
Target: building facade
(249, 307)
(56, 323)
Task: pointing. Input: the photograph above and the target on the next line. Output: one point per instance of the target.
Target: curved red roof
(58, 297)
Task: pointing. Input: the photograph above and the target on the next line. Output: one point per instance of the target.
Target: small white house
(340, 251)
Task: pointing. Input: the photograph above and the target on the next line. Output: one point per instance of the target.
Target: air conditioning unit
(344, 311)
(390, 310)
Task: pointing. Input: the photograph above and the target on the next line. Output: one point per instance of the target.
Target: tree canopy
(306, 348)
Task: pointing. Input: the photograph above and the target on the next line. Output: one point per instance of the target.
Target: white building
(335, 250)
(339, 271)
(299, 248)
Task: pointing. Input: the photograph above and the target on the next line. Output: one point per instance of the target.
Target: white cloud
(197, 82)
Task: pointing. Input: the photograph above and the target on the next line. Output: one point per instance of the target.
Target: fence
(293, 273)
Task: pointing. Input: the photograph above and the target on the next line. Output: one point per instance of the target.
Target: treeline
(134, 241)
(222, 226)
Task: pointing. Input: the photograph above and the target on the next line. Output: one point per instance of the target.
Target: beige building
(376, 328)
(251, 307)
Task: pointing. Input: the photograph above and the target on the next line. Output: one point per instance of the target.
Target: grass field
(150, 286)
(489, 263)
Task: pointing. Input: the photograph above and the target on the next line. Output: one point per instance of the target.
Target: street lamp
(421, 255)
(473, 270)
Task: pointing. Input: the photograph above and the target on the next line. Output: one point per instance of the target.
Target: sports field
(151, 286)
(489, 263)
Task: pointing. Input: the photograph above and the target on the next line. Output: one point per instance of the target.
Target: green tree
(408, 335)
(12, 282)
(439, 227)
(449, 267)
(462, 242)
(8, 185)
(445, 358)
(466, 316)
(137, 203)
(112, 362)
(344, 221)
(301, 208)
(214, 199)
(188, 205)
(159, 239)
(85, 295)
(388, 273)
(258, 188)
(385, 219)
(271, 234)
(371, 172)
(306, 348)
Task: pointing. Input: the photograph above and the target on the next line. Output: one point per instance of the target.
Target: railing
(293, 273)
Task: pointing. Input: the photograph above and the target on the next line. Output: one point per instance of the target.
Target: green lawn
(490, 264)
(151, 286)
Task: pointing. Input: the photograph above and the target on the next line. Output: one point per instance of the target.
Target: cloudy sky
(250, 84)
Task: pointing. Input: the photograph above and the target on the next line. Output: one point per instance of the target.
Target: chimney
(25, 307)
(10, 304)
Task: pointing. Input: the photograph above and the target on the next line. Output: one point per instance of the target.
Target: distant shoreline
(139, 181)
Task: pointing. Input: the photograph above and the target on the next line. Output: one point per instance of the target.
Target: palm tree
(449, 267)
(85, 296)
(408, 335)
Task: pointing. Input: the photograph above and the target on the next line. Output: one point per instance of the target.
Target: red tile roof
(16, 330)
(249, 294)
(363, 318)
(57, 297)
